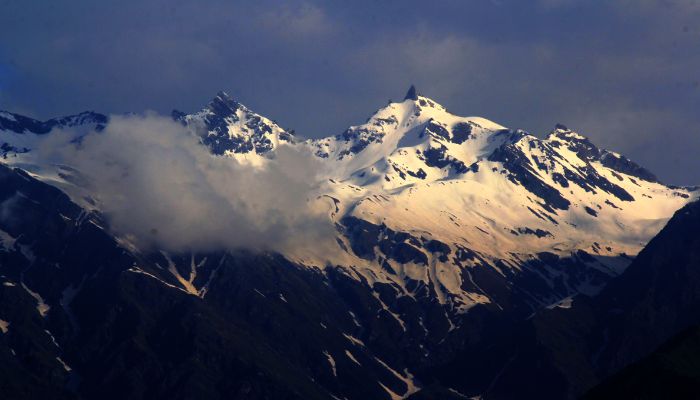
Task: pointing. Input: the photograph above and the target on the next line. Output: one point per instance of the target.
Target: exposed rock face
(228, 127)
(412, 94)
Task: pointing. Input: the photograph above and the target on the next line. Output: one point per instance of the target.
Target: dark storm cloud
(626, 73)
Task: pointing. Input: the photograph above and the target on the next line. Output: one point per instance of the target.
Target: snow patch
(7, 116)
(4, 326)
(351, 357)
(7, 241)
(63, 364)
(331, 361)
(41, 306)
(408, 379)
(137, 270)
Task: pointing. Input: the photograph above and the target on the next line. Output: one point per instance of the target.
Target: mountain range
(466, 260)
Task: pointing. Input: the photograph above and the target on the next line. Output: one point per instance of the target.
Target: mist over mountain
(163, 189)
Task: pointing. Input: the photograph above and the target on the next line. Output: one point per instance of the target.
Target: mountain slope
(87, 316)
(570, 348)
(673, 370)
(557, 212)
(80, 305)
(451, 233)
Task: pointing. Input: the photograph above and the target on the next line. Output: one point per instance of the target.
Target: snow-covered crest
(228, 127)
(422, 177)
(426, 201)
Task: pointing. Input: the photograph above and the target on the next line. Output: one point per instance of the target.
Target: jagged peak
(223, 104)
(562, 132)
(223, 96)
(20, 123)
(7, 115)
(224, 109)
(84, 116)
(412, 93)
(587, 150)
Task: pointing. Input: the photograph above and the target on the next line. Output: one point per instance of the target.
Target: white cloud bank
(156, 184)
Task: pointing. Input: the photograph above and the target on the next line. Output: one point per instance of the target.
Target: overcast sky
(625, 73)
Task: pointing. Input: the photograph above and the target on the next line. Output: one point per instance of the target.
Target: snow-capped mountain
(437, 205)
(230, 128)
(22, 137)
(20, 134)
(450, 233)
(19, 124)
(454, 208)
(492, 197)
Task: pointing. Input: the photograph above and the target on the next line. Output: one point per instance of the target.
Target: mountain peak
(412, 93)
(21, 124)
(223, 95)
(223, 104)
(562, 132)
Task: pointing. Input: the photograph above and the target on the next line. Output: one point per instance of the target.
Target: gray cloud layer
(157, 184)
(625, 73)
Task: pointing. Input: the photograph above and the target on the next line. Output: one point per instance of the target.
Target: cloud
(158, 186)
(296, 19)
